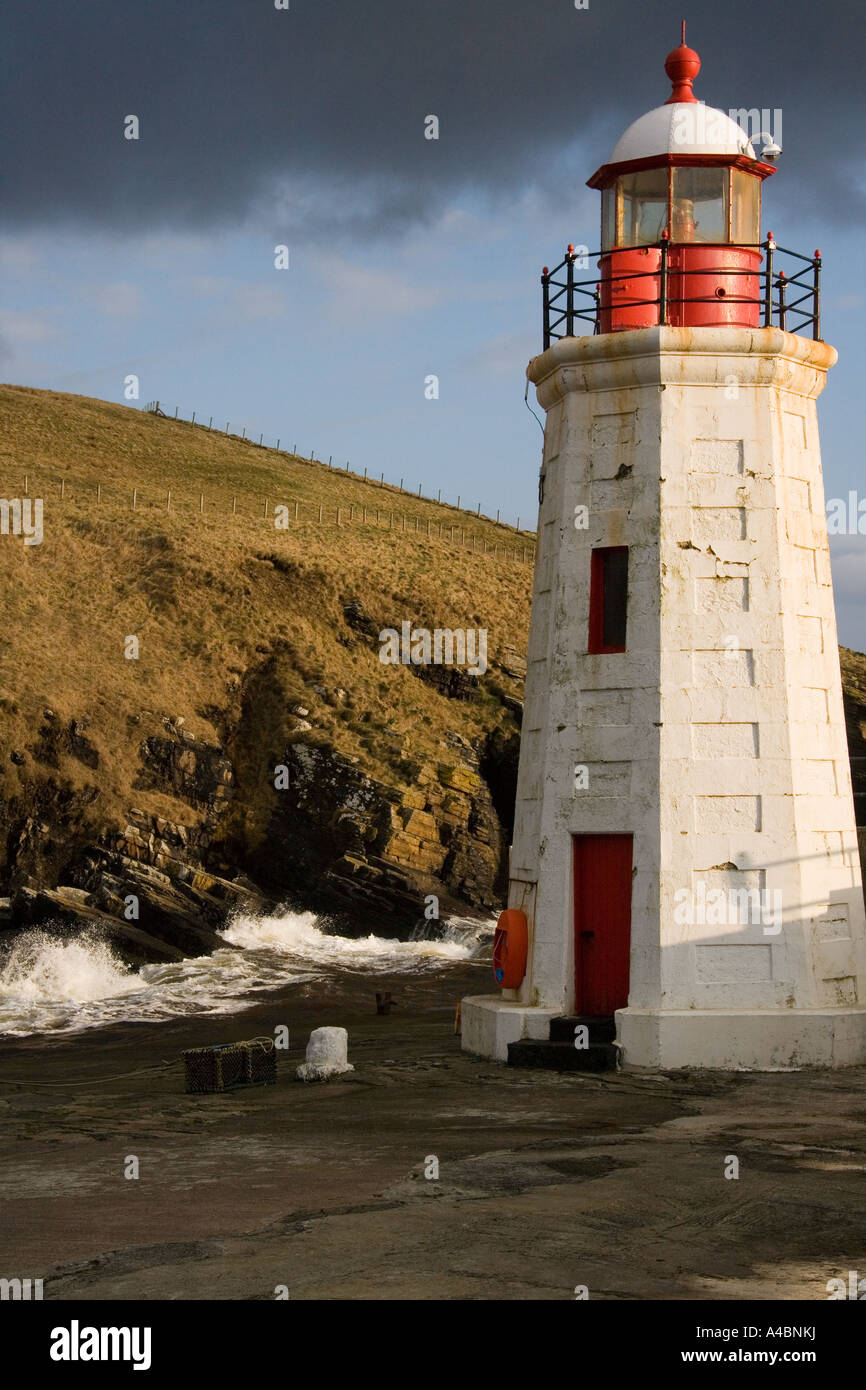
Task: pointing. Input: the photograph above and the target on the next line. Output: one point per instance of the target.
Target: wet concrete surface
(613, 1182)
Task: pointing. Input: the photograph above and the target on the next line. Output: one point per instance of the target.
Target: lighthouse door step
(575, 1044)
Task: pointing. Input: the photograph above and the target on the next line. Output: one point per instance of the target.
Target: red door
(602, 923)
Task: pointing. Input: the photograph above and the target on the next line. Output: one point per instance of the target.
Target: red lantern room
(681, 200)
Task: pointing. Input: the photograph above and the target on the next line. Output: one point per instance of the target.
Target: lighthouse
(684, 885)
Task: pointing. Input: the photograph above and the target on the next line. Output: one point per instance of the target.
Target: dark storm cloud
(236, 98)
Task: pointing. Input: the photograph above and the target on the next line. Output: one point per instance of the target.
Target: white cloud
(18, 329)
(366, 294)
(19, 256)
(240, 299)
(121, 300)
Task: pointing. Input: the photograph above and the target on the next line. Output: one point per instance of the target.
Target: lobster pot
(230, 1065)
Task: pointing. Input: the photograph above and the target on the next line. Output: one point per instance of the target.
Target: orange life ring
(510, 947)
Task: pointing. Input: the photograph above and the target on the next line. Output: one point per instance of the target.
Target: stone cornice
(682, 357)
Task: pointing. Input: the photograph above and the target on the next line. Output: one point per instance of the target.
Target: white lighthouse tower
(684, 881)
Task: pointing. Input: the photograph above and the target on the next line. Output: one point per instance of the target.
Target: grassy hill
(240, 624)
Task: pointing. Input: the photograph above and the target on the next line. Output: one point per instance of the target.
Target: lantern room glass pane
(608, 217)
(746, 208)
(699, 209)
(644, 207)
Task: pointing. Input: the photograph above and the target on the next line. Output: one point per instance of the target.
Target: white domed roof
(682, 127)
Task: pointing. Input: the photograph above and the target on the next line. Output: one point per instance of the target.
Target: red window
(608, 599)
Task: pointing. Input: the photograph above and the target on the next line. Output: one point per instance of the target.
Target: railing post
(569, 294)
(663, 280)
(770, 247)
(782, 309)
(545, 294)
(816, 296)
(597, 297)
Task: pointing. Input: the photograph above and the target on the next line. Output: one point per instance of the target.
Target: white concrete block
(489, 1023)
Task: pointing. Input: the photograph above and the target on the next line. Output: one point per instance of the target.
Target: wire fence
(159, 409)
(282, 513)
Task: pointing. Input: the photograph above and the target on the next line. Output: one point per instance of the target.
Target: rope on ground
(264, 1042)
(87, 1081)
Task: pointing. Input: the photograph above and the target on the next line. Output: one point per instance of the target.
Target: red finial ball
(570, 246)
(682, 66)
(817, 255)
(544, 270)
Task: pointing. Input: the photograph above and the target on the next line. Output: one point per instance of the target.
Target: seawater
(52, 985)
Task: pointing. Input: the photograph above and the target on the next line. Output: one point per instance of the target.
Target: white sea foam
(53, 985)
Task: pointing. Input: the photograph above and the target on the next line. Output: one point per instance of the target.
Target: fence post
(458, 501)
(210, 422)
(278, 443)
(297, 504)
(99, 492)
(404, 523)
(228, 422)
(352, 512)
(26, 484)
(320, 511)
(62, 488)
(201, 502)
(234, 505)
(244, 432)
(134, 497)
(266, 506)
(175, 411)
(168, 501)
(338, 516)
(192, 422)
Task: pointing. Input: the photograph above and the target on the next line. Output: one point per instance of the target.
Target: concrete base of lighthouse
(489, 1023)
(740, 1040)
(686, 1039)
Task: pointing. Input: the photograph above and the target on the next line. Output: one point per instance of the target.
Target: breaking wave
(48, 984)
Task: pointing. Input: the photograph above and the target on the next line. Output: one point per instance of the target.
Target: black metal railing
(569, 302)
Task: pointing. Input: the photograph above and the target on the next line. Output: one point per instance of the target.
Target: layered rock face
(261, 821)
